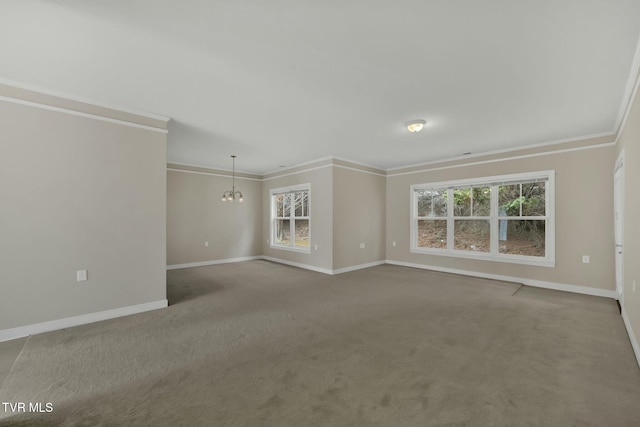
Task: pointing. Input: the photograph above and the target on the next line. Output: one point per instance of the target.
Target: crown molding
(557, 143)
(66, 96)
(503, 159)
(80, 114)
(630, 91)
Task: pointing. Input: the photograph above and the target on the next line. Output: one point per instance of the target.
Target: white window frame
(493, 182)
(272, 219)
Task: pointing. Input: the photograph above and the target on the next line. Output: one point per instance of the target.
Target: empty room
(319, 213)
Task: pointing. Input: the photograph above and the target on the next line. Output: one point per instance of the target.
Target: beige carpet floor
(257, 343)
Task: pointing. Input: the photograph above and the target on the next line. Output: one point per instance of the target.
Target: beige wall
(78, 193)
(629, 141)
(584, 218)
(195, 215)
(82, 193)
(347, 208)
(359, 208)
(321, 212)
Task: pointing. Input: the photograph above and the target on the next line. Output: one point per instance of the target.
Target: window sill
(292, 249)
(539, 262)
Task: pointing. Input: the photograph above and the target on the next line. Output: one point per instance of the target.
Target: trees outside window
(503, 218)
(290, 218)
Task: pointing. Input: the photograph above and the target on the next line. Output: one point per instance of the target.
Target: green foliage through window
(508, 218)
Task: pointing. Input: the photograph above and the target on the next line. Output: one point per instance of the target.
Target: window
(290, 218)
(505, 218)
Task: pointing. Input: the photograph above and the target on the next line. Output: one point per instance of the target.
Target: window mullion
(274, 215)
(495, 223)
(450, 223)
(294, 203)
(520, 199)
(532, 228)
(549, 236)
(432, 206)
(292, 237)
(416, 223)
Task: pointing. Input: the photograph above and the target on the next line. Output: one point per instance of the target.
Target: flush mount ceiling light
(415, 125)
(233, 195)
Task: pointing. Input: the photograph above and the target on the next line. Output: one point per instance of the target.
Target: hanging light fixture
(233, 195)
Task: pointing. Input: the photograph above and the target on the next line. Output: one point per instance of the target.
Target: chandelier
(233, 195)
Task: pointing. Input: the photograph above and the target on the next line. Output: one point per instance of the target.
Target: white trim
(290, 188)
(359, 170)
(323, 159)
(359, 267)
(278, 260)
(619, 161)
(487, 180)
(435, 162)
(284, 190)
(193, 165)
(298, 249)
(31, 88)
(342, 159)
(528, 282)
(512, 149)
(628, 110)
(212, 262)
(299, 165)
(576, 289)
(503, 159)
(630, 91)
(38, 328)
(487, 256)
(298, 264)
(80, 114)
(298, 172)
(632, 336)
(211, 174)
(261, 179)
(493, 255)
(619, 186)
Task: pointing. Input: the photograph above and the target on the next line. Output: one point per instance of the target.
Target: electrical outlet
(316, 247)
(361, 245)
(393, 244)
(81, 275)
(585, 259)
(206, 244)
(634, 287)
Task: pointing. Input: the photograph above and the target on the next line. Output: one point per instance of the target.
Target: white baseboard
(297, 264)
(632, 336)
(213, 262)
(529, 282)
(324, 270)
(571, 288)
(38, 328)
(358, 267)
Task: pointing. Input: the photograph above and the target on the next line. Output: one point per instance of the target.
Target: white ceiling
(282, 82)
